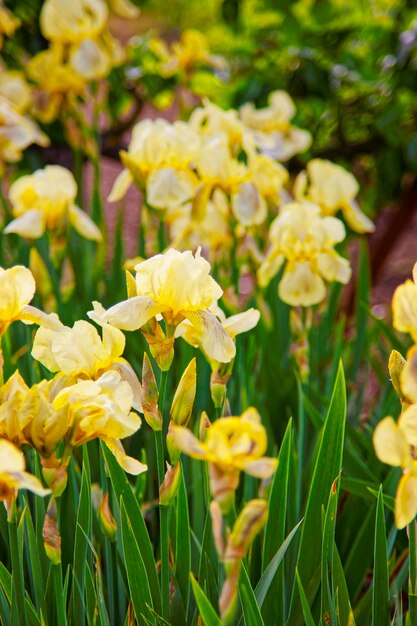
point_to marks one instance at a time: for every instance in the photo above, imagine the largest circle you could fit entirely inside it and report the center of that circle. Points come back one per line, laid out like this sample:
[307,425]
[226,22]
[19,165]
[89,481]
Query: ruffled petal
[215,341]
[130,314]
[334,267]
[242,322]
[356,219]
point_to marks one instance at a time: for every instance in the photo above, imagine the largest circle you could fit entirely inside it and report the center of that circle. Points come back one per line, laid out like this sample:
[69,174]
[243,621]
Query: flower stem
[163,510]
[412,581]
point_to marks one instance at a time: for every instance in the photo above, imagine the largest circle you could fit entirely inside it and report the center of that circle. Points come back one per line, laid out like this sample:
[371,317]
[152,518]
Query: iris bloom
[81,26]
[17,132]
[15,89]
[79,352]
[186,54]
[304,240]
[8,23]
[211,119]
[273,133]
[177,285]
[13,475]
[392,443]
[101,409]
[232,445]
[333,189]
[159,159]
[45,200]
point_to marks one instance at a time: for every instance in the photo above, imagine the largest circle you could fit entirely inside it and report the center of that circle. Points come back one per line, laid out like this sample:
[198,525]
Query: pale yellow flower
[79,352]
[304,240]
[334,189]
[13,419]
[13,475]
[188,53]
[101,409]
[58,83]
[232,445]
[124,9]
[392,443]
[81,25]
[8,23]
[273,133]
[17,132]
[210,120]
[45,200]
[15,89]
[159,159]
[177,285]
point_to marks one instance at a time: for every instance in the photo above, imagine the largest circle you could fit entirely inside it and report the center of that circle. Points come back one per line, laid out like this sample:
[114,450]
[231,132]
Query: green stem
[59,594]
[18,586]
[412,582]
[163,510]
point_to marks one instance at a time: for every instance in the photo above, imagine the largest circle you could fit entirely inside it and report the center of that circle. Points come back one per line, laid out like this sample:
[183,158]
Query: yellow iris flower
[404,306]
[273,133]
[232,445]
[334,189]
[79,352]
[81,26]
[15,89]
[101,409]
[177,285]
[159,160]
[8,23]
[303,239]
[17,132]
[45,200]
[13,475]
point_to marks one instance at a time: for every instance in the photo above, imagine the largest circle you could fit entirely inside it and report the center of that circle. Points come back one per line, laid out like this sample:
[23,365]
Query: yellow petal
[167,187]
[404,308]
[406,500]
[120,186]
[130,314]
[182,404]
[390,443]
[357,220]
[248,206]
[90,59]
[214,339]
[301,286]
[187,443]
[83,224]
[31,225]
[242,322]
[408,376]
[130,465]
[408,424]
[334,267]
[270,267]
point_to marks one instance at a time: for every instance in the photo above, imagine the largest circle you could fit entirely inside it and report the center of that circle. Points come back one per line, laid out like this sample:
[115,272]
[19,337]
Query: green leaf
[137,577]
[328,612]
[82,534]
[309,621]
[327,467]
[275,528]
[207,613]
[345,609]
[248,600]
[267,577]
[121,488]
[380,588]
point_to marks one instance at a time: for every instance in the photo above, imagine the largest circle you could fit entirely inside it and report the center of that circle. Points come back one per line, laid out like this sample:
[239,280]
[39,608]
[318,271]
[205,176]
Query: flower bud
[396,365]
[173,450]
[182,404]
[217,527]
[204,425]
[218,382]
[170,485]
[50,533]
[161,346]
[107,522]
[55,474]
[223,486]
[150,396]
[249,522]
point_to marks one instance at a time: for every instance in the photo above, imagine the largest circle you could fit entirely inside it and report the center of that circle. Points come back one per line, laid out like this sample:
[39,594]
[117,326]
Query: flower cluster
[395,442]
